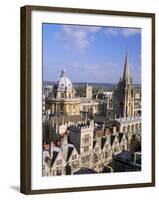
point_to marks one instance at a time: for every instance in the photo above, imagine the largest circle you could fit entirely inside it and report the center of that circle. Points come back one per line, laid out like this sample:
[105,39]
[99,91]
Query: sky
[90,53]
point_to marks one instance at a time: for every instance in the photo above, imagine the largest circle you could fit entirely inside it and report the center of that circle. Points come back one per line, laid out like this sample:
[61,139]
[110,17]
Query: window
[74,157]
[96,149]
[95,158]
[106,154]
[115,143]
[87,157]
[123,147]
[59,172]
[86,139]
[59,162]
[124,129]
[61,107]
[116,150]
[86,148]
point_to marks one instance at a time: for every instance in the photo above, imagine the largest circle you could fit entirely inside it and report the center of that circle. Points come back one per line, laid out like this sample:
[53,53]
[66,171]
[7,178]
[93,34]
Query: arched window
[128,128]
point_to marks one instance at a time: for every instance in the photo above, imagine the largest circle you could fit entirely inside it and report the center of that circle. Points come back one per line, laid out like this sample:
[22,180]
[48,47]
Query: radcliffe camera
[91,100]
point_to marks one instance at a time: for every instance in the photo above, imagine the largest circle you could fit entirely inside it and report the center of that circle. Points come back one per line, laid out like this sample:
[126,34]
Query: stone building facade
[63,100]
[82,150]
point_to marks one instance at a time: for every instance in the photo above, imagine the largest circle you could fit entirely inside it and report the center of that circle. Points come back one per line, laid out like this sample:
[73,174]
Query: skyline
[90,53]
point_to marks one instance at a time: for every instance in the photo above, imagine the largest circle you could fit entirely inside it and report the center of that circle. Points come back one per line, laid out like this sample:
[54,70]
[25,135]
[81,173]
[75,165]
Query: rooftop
[129,158]
[85,171]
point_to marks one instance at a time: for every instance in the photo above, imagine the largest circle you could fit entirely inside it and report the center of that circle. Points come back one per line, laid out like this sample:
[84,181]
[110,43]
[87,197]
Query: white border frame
[39,182]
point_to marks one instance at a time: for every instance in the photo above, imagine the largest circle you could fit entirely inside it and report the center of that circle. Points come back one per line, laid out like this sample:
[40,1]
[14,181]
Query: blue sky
[90,54]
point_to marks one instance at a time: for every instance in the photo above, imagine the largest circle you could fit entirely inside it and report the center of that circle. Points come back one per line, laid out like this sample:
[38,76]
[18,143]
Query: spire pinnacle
[126,74]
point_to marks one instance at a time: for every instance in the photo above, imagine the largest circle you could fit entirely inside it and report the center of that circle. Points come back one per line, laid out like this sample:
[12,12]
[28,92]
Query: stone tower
[88,91]
[124,94]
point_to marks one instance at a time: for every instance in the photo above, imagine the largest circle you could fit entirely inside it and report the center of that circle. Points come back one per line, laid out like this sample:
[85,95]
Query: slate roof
[112,138]
[85,171]
[103,141]
[127,157]
[48,161]
[120,136]
[69,153]
[99,132]
[94,143]
[55,154]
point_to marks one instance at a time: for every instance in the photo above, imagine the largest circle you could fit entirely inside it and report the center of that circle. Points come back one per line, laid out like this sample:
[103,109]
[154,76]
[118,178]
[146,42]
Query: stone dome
[64,82]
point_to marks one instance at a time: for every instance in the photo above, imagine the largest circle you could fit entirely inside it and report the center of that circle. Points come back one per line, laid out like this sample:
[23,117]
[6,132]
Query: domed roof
[64,82]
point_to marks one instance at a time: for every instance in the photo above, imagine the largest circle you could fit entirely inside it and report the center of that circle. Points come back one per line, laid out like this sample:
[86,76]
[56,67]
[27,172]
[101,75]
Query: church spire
[126,74]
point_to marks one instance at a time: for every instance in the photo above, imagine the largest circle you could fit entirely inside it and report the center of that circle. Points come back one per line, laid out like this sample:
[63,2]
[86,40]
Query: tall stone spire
[126,74]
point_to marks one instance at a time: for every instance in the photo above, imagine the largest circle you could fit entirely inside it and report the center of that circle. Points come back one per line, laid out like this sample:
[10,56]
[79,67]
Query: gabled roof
[112,138]
[99,132]
[125,155]
[55,154]
[69,153]
[103,141]
[121,135]
[94,143]
[46,153]
[48,161]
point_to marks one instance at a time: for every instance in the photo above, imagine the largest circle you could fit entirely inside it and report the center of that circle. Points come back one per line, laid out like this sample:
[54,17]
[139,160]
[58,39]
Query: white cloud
[80,37]
[124,32]
[94,72]
[129,32]
[77,37]
[111,32]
